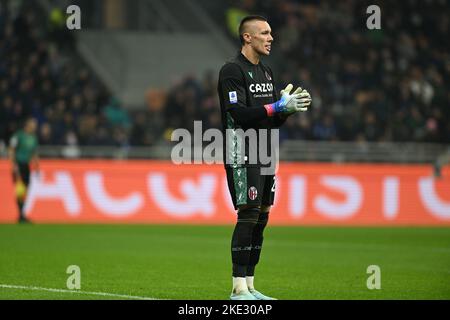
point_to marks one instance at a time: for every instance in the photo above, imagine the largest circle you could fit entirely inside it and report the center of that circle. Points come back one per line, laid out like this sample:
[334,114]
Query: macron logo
[233,96]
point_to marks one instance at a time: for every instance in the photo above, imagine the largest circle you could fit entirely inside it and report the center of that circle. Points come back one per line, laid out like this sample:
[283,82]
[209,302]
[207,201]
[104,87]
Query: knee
[249,214]
[264,216]
[263,219]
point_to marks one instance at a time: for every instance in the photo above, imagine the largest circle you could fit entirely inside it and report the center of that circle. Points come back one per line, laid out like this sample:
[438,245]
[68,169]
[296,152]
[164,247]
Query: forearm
[12,158]
[279,120]
[252,116]
[35,162]
[249,116]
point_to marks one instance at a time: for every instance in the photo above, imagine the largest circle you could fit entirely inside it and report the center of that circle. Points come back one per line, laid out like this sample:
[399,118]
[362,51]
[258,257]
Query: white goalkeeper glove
[304,100]
[289,103]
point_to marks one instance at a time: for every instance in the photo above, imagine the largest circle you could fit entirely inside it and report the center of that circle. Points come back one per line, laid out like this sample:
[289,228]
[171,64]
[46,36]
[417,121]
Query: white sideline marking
[8,286]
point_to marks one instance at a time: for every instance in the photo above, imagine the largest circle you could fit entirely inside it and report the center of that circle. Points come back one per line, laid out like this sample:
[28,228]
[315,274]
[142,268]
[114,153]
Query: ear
[247,37]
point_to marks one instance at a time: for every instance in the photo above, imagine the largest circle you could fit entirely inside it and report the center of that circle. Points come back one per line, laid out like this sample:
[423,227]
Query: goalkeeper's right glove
[289,103]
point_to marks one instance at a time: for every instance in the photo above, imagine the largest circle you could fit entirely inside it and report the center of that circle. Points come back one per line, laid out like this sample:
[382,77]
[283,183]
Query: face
[260,36]
[31,126]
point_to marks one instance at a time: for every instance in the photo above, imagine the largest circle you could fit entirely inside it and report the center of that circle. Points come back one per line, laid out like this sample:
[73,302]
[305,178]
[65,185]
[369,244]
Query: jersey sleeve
[36,146]
[277,120]
[233,92]
[232,87]
[276,93]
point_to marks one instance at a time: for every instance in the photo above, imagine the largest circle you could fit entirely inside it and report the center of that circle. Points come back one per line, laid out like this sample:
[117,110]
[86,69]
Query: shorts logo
[233,96]
[252,193]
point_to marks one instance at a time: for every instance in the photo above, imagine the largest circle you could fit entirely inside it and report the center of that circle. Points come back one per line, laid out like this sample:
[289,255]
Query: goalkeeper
[248,100]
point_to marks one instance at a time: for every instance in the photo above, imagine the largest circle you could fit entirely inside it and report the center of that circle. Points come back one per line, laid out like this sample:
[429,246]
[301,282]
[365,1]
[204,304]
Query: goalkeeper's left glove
[304,100]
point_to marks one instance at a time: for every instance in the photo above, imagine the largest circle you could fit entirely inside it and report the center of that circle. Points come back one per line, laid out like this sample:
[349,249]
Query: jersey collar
[243,59]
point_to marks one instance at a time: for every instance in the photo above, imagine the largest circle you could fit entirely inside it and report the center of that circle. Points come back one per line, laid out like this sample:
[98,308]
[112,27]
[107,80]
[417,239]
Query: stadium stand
[41,76]
[367,85]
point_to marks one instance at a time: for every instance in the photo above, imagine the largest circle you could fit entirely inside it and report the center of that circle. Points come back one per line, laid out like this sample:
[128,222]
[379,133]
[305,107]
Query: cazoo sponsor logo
[260,87]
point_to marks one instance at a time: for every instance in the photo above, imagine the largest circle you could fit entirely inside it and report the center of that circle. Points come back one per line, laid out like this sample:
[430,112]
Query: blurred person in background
[23,154]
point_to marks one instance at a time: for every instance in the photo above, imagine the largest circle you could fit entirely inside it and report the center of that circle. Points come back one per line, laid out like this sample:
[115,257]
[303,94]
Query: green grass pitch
[193,262]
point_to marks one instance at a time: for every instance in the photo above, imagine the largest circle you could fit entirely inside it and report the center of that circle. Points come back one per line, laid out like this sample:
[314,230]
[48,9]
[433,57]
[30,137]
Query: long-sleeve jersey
[244,88]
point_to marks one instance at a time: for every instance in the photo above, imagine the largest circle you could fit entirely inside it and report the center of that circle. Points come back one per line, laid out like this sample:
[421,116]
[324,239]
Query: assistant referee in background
[24,157]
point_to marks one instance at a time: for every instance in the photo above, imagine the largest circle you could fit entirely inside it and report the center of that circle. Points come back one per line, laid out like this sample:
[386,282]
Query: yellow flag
[21,190]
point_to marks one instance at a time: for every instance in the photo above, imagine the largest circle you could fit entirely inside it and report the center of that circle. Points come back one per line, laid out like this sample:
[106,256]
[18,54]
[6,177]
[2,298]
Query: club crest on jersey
[268,76]
[252,193]
[233,96]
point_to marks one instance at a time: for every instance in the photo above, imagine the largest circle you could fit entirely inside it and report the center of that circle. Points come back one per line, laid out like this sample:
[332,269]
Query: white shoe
[259,296]
[243,295]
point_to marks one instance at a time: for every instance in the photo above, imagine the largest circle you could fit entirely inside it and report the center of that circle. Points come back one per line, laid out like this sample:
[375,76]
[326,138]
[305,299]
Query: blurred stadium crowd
[371,85]
[367,85]
[41,76]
